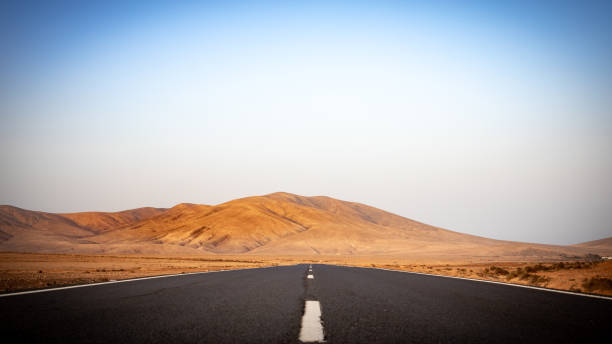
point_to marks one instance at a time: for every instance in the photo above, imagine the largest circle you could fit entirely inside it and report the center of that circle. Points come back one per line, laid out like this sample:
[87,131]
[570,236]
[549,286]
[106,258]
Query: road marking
[121,281]
[312,329]
[492,282]
[310,276]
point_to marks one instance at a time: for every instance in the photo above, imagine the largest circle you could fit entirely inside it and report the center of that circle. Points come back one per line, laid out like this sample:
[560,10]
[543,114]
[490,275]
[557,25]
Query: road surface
[356,305]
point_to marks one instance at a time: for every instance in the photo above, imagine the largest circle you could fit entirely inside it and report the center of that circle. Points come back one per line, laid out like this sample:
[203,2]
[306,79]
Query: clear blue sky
[491,118]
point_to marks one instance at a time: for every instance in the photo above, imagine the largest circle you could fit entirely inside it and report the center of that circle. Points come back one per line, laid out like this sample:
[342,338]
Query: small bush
[597,283]
[498,271]
[537,279]
[537,268]
[524,275]
[514,274]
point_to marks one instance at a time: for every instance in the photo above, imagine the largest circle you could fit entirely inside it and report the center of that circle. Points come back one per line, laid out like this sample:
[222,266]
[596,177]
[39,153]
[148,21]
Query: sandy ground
[20,271]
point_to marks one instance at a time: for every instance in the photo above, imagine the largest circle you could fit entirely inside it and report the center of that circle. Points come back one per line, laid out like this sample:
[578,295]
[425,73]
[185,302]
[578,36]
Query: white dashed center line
[312,330]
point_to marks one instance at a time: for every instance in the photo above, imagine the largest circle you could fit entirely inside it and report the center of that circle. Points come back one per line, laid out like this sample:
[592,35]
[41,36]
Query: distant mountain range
[274,224]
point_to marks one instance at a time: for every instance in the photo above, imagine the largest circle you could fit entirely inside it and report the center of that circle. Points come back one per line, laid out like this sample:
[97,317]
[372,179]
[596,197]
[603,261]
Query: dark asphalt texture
[246,306]
[376,306]
[266,305]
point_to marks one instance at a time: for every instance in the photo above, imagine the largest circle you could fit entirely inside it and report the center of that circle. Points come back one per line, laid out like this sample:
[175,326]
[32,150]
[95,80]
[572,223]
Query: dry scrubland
[19,271]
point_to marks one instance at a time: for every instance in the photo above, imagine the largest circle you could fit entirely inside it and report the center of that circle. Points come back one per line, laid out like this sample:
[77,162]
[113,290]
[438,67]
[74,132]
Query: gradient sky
[491,118]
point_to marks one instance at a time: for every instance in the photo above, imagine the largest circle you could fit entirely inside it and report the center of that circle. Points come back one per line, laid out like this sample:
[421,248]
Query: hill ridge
[275,223]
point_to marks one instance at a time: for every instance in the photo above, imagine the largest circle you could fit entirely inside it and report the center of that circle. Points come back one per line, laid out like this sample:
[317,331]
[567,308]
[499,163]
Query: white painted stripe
[492,282]
[310,276]
[122,281]
[312,329]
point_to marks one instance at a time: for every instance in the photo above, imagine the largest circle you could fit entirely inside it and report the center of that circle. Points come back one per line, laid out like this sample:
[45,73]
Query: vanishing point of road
[290,304]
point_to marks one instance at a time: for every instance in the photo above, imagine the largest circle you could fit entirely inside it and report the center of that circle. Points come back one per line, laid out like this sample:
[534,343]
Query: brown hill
[100,221]
[13,218]
[283,223]
[274,224]
[34,231]
[601,246]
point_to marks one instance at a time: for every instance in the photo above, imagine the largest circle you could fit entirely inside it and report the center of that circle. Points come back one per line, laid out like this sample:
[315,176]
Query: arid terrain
[46,249]
[20,271]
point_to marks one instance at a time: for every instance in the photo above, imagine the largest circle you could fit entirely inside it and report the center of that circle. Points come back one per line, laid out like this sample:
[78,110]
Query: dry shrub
[495,270]
[597,283]
[528,274]
[537,279]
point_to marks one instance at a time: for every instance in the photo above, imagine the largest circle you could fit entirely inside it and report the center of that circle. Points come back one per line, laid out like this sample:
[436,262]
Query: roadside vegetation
[530,272]
[533,275]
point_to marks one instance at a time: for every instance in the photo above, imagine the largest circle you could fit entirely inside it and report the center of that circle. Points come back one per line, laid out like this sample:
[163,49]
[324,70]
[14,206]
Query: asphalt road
[266,306]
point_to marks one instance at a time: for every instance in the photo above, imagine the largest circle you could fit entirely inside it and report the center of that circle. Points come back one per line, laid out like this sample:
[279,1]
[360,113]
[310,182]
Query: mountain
[274,224]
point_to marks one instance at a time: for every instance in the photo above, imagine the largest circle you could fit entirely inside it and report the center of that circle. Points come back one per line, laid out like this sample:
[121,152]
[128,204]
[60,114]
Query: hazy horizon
[488,119]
